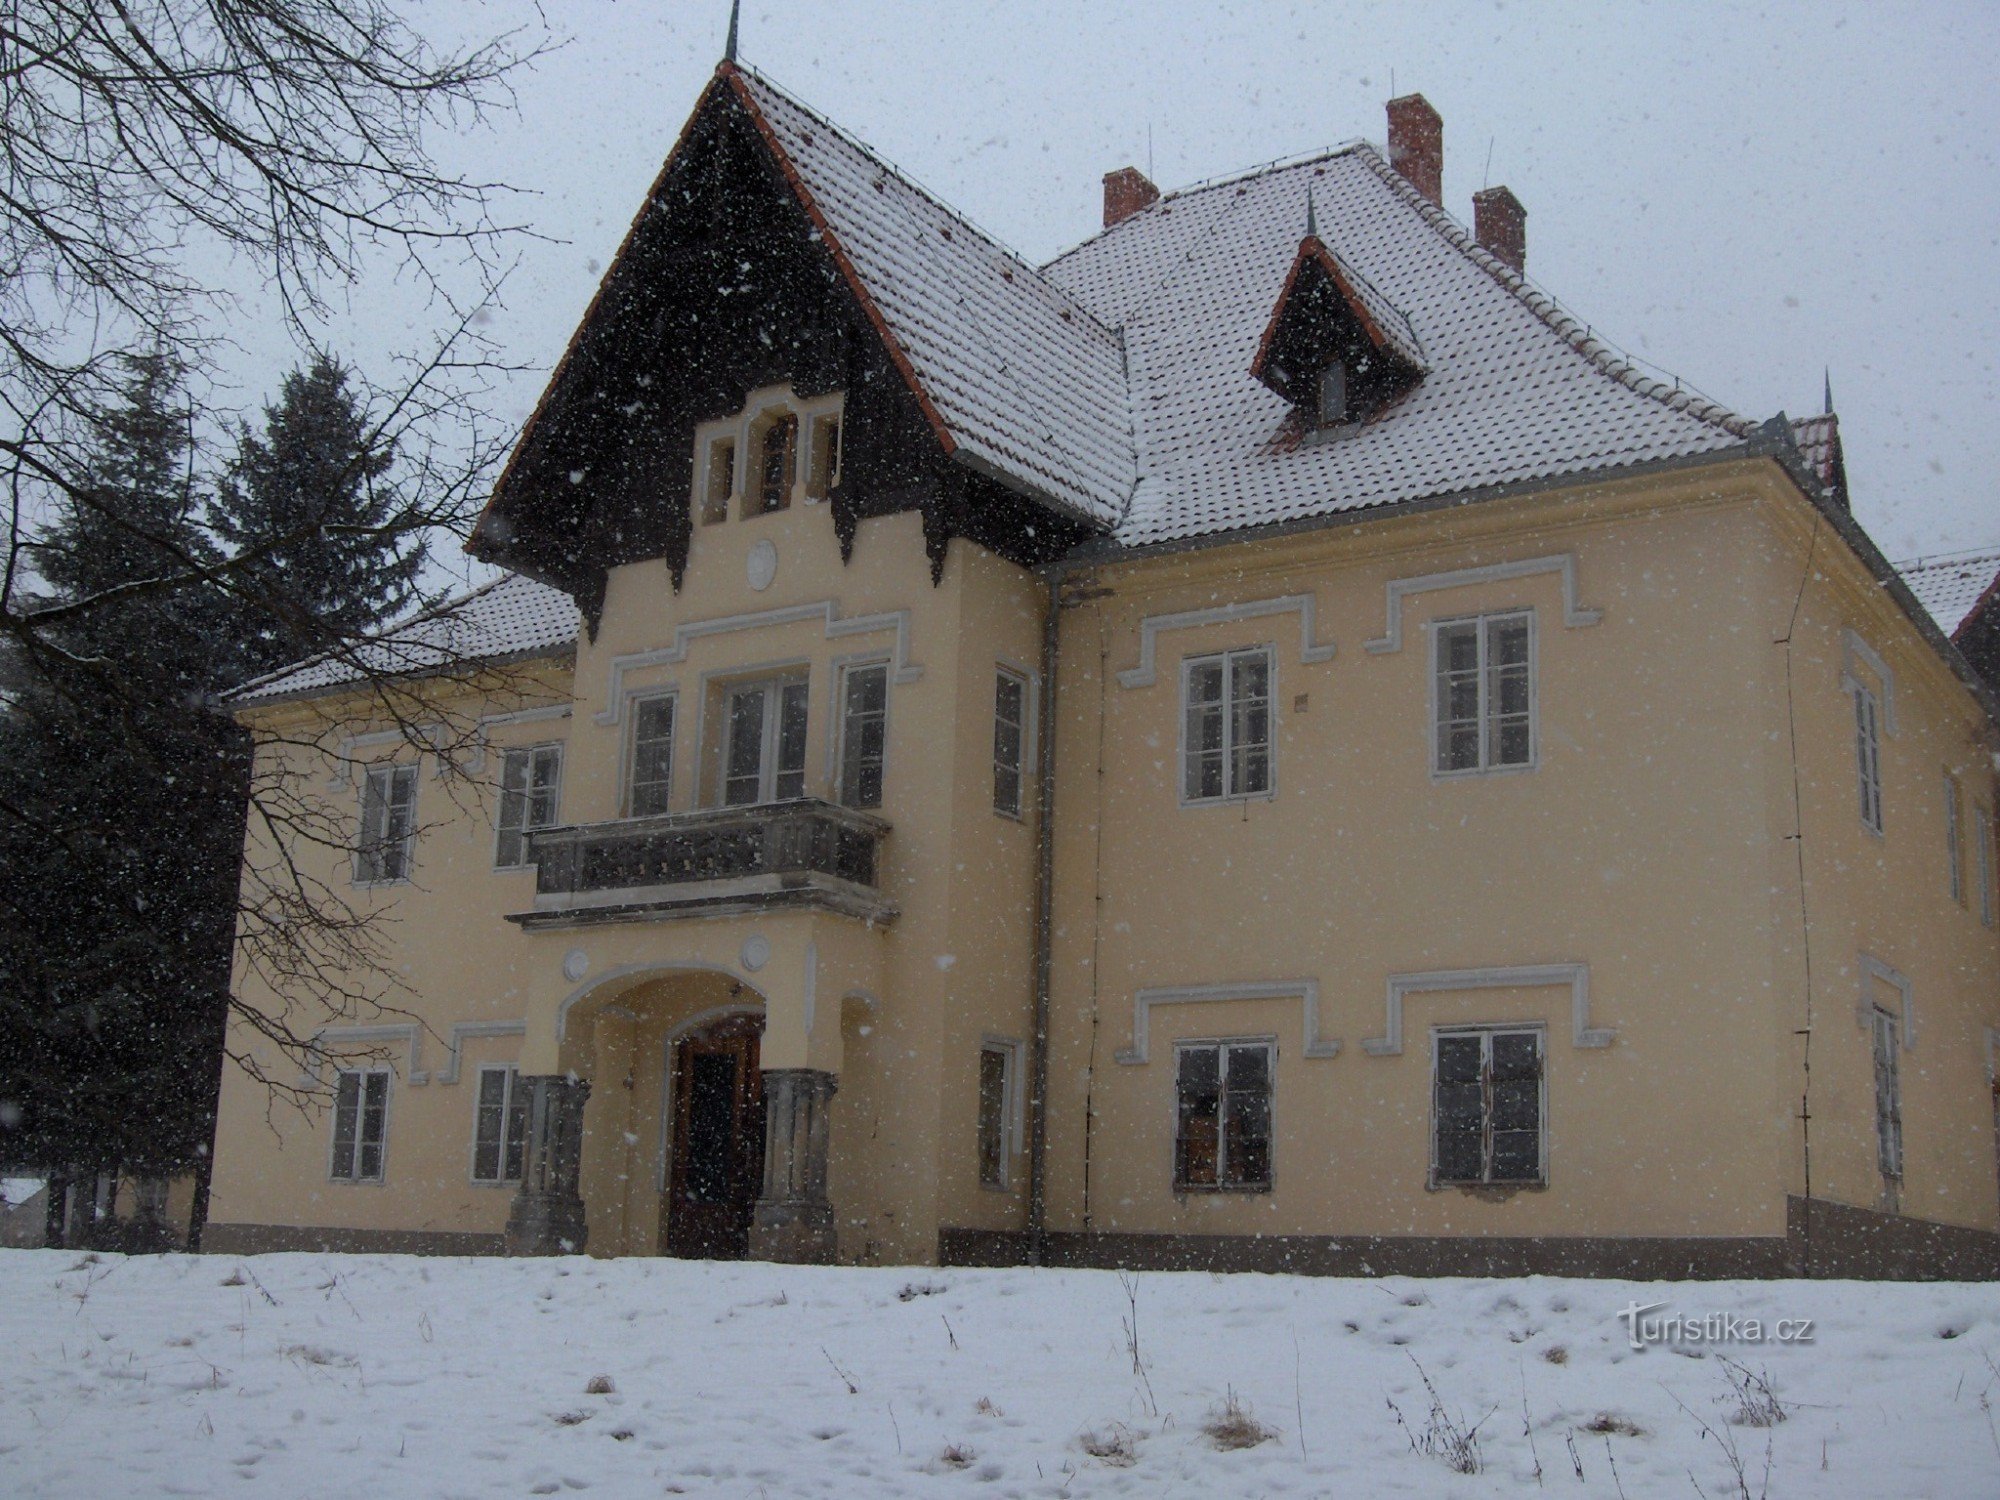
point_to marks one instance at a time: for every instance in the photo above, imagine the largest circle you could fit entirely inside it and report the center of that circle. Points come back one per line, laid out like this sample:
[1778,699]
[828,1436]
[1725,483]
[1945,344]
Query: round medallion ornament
[756,951]
[762,564]
[576,964]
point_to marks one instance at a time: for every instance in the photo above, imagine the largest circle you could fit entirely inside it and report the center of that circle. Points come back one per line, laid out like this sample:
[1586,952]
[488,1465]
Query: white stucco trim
[1872,969]
[1147,672]
[1399,589]
[826,612]
[1853,649]
[461,1033]
[633,971]
[1304,990]
[1526,976]
[409,1033]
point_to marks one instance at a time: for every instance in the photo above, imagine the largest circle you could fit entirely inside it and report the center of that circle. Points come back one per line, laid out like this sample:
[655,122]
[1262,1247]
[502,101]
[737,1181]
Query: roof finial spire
[1312,216]
[729,47]
[1828,408]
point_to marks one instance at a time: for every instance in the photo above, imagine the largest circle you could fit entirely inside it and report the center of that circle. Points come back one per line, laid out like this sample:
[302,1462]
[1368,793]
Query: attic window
[823,458]
[777,462]
[1336,357]
[721,481]
[1333,394]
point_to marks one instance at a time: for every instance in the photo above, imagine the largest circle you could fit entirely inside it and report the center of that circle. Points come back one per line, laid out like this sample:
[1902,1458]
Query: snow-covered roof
[1516,389]
[1949,585]
[511,617]
[1023,380]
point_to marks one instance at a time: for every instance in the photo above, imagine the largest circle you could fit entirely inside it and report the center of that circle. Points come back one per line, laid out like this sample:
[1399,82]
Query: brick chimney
[1126,191]
[1501,225]
[1416,145]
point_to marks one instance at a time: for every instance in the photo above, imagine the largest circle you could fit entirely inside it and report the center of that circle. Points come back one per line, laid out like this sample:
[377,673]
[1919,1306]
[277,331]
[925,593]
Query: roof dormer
[1335,347]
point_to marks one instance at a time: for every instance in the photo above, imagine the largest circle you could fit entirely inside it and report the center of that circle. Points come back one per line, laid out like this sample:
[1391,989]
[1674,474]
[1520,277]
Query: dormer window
[777,463]
[1333,394]
[777,448]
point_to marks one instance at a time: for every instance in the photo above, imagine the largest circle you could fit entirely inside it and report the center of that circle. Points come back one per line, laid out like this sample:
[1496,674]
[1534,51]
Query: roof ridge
[935,199]
[1949,559]
[1605,357]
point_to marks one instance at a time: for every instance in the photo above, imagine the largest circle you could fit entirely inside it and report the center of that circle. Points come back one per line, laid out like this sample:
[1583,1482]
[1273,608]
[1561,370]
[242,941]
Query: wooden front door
[718,1142]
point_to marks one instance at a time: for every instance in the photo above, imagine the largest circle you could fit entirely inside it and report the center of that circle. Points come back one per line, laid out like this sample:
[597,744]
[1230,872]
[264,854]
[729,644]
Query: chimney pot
[1501,225]
[1416,145]
[1126,191]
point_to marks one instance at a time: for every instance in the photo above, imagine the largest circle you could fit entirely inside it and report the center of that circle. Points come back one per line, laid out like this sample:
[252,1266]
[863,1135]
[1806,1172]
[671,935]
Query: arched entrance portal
[715,1133]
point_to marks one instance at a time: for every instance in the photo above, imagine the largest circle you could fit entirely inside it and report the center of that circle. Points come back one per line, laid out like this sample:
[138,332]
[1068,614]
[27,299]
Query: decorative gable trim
[1382,332]
[1530,976]
[1399,589]
[827,611]
[1305,990]
[1147,672]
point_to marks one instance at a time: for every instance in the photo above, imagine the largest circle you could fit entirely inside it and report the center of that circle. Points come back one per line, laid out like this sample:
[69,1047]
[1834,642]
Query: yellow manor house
[1259,743]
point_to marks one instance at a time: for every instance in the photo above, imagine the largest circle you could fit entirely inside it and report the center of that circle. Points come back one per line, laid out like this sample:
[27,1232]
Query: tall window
[360,1120]
[764,758]
[388,824]
[1486,1108]
[652,755]
[1223,1139]
[1868,757]
[823,461]
[1982,860]
[864,715]
[1010,717]
[1888,1093]
[999,1112]
[1227,702]
[1333,394]
[1484,670]
[500,1130]
[777,460]
[721,480]
[1954,840]
[530,790]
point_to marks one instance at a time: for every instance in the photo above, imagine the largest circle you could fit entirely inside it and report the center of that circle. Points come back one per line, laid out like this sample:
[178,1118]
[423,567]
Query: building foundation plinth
[547,1217]
[793,1221]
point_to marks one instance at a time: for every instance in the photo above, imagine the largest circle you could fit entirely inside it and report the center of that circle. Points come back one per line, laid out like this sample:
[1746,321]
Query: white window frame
[634,706]
[773,687]
[368,846]
[843,746]
[1483,624]
[353,1164]
[1982,860]
[1868,756]
[508,1104]
[1002,673]
[533,754]
[1221,1046]
[1228,660]
[1487,1031]
[1885,1035]
[1954,839]
[1013,1115]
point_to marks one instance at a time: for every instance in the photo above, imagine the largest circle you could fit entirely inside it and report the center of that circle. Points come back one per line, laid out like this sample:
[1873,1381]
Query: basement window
[1222,1138]
[999,1112]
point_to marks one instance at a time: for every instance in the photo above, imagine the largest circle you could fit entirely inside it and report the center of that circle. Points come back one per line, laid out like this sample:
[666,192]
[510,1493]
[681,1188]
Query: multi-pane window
[1954,840]
[998,1112]
[652,755]
[777,459]
[1227,749]
[388,824]
[530,791]
[864,719]
[764,754]
[1484,670]
[1868,756]
[1010,717]
[360,1120]
[1888,1093]
[1486,1108]
[1982,860]
[1223,1134]
[500,1130]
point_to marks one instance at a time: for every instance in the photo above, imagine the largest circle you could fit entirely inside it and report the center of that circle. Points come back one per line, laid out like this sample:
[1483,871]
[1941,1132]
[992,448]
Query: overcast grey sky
[1741,195]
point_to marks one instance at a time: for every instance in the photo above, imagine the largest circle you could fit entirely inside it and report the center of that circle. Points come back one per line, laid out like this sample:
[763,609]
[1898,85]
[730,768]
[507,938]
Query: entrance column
[793,1221]
[547,1217]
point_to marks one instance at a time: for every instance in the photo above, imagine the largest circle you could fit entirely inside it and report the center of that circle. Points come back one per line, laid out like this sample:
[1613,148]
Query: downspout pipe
[1045,851]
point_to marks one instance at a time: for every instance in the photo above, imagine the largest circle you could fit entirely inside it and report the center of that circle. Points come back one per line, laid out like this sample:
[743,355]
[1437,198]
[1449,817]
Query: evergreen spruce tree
[313,503]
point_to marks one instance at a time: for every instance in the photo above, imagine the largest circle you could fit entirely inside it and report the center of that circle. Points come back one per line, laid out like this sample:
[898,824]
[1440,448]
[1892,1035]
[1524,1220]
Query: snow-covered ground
[327,1375]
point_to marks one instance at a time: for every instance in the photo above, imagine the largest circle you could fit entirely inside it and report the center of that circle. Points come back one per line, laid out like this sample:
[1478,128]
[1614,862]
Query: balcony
[715,862]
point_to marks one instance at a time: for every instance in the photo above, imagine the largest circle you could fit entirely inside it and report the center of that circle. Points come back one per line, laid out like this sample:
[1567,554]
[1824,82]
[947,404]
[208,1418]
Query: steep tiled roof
[1819,445]
[512,617]
[1024,381]
[1948,586]
[1516,390]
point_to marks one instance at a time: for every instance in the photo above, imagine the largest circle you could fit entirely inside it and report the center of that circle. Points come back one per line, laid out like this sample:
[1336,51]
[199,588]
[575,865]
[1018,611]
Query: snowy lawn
[328,1375]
